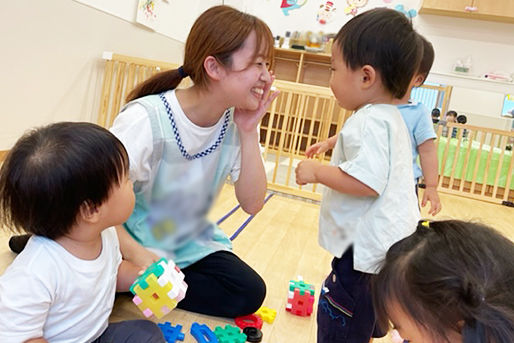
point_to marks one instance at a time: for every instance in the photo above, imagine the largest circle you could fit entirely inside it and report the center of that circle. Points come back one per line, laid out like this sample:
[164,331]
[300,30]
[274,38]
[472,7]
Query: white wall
[51,60]
[51,66]
[491,44]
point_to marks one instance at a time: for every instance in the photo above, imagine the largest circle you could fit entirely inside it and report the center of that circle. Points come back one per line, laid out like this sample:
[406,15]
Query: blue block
[171,333]
[203,334]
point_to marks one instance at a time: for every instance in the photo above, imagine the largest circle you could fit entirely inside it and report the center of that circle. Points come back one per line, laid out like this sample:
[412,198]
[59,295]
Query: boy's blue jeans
[345,306]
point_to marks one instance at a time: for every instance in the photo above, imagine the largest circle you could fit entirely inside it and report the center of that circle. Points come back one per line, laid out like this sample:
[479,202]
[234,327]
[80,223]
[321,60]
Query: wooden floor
[280,243]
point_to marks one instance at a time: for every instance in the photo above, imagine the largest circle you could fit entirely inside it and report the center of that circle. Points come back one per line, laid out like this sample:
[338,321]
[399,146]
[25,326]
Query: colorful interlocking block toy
[267,314]
[250,320]
[203,334]
[171,333]
[158,290]
[300,298]
[229,334]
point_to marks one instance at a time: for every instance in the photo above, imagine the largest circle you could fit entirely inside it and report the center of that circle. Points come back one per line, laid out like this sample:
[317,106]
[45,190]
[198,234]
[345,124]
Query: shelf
[472,82]
[302,66]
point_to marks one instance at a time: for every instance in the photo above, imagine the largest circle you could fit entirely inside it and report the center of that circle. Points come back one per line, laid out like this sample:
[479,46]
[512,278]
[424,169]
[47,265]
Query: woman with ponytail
[184,143]
[450,281]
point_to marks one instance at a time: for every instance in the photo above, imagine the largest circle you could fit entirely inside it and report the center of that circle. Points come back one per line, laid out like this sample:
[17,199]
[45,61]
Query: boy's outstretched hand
[431,195]
[317,149]
[306,172]
[321,147]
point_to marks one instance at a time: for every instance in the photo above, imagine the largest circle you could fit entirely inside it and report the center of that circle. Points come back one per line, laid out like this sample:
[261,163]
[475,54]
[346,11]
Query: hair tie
[181,72]
[425,223]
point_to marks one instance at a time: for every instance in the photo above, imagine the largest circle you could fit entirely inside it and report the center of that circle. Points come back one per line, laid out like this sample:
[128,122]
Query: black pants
[345,306]
[221,284]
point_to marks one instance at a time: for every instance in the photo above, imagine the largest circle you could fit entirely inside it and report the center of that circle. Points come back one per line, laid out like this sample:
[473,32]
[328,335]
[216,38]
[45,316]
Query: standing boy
[369,202]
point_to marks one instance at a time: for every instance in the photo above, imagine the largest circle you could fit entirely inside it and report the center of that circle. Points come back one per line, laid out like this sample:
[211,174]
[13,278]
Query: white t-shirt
[47,292]
[373,147]
[134,125]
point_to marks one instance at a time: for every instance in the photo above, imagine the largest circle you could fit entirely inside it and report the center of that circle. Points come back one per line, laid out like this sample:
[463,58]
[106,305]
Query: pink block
[137,300]
[147,312]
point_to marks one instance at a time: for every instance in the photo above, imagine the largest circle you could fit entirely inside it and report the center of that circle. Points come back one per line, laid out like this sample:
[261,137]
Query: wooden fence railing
[121,74]
[474,163]
[301,116]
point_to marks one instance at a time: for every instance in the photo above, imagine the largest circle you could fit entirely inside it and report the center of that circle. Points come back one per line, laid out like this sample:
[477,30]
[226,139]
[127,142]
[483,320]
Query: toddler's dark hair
[451,275]
[52,171]
[451,113]
[427,59]
[384,39]
[462,119]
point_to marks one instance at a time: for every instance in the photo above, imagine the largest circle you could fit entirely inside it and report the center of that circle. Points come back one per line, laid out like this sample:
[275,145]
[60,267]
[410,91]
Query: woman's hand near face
[247,120]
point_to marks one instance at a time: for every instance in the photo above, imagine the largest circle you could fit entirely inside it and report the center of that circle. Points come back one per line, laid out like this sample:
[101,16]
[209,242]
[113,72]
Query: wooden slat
[296,126]
[105,97]
[285,124]
[118,91]
[455,159]
[477,162]
[313,122]
[131,78]
[503,143]
[471,136]
[506,195]
[270,126]
[445,157]
[488,164]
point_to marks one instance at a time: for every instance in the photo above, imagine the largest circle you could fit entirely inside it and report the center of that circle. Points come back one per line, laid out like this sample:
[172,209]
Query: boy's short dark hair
[384,39]
[427,58]
[462,119]
[53,170]
[436,112]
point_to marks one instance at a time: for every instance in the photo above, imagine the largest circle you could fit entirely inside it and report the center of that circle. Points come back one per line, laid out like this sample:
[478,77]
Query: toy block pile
[300,298]
[158,290]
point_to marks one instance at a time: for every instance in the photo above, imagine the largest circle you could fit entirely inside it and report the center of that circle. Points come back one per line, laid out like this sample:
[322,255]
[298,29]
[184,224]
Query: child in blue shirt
[422,134]
[369,201]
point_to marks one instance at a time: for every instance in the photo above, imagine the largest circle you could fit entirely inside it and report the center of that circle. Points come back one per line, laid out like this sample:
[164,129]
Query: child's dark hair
[436,112]
[384,39]
[53,170]
[462,119]
[451,275]
[451,113]
[427,59]
[218,32]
